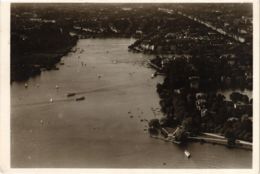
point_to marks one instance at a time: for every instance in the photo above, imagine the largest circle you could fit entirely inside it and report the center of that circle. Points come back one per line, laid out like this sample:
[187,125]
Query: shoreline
[224,128]
[45,60]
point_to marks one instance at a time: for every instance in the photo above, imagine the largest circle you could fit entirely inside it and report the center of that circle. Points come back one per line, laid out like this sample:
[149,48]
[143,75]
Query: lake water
[99,132]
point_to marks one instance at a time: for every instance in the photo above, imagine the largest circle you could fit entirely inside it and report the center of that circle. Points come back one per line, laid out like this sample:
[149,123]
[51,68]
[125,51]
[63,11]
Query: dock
[154,66]
[220,140]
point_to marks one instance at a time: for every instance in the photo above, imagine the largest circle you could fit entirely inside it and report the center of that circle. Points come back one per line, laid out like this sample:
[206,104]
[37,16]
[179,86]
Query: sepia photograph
[132,85]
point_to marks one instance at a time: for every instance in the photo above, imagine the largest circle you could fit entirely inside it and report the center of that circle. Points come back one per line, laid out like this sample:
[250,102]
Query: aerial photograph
[131,85]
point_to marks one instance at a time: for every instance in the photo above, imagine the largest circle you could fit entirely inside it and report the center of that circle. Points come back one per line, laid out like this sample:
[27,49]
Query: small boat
[57,87]
[80,98]
[114,61]
[99,76]
[153,75]
[25,85]
[51,100]
[71,94]
[187,153]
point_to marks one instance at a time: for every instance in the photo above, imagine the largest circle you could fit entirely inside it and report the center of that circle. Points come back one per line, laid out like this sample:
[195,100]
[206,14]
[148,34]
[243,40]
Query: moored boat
[187,153]
[71,94]
[80,98]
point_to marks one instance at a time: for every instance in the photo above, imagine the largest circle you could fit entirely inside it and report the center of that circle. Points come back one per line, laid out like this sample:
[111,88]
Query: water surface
[99,132]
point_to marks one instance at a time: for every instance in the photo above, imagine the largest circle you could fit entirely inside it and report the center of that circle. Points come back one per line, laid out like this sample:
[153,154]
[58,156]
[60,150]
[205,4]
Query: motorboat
[80,98]
[71,94]
[187,153]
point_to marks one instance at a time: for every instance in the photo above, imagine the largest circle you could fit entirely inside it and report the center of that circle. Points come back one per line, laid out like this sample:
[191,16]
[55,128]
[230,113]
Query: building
[194,82]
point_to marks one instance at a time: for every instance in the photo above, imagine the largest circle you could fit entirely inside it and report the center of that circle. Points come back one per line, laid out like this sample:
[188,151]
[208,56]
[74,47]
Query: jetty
[154,66]
[220,140]
[178,135]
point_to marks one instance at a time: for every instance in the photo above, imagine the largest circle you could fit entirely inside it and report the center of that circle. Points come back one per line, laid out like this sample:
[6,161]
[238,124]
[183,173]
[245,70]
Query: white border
[4,86]
[130,1]
[5,93]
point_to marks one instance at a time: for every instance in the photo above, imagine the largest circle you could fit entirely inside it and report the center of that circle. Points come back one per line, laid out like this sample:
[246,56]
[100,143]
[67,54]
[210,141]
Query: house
[194,82]
[145,45]
[201,104]
[139,32]
[249,75]
[201,95]
[231,119]
[170,35]
[203,112]
[244,108]
[179,90]
[201,101]
[231,58]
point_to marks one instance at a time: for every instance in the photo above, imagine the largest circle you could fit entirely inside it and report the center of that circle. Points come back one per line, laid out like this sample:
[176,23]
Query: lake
[106,130]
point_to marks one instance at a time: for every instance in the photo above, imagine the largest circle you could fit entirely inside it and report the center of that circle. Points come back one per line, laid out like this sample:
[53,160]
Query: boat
[80,98]
[71,94]
[187,153]
[25,85]
[99,76]
[153,75]
[114,61]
